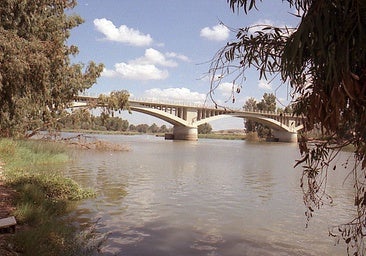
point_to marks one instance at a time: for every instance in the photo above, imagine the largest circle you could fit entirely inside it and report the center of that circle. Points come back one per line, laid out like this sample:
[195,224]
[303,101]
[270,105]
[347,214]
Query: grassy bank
[43,196]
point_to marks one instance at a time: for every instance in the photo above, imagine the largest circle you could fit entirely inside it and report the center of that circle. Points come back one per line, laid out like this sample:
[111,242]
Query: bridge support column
[185,133]
[284,136]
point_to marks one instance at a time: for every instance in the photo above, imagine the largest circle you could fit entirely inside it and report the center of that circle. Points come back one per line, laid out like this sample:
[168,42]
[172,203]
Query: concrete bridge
[186,118]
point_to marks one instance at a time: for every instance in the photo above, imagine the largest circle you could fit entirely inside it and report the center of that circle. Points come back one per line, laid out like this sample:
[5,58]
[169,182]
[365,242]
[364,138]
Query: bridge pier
[185,133]
[284,136]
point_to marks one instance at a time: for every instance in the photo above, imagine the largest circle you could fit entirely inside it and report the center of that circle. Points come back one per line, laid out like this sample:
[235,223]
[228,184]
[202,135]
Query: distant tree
[125,125]
[115,101]
[323,59]
[163,129]
[153,128]
[37,79]
[268,103]
[250,104]
[205,128]
[142,128]
[114,124]
[132,128]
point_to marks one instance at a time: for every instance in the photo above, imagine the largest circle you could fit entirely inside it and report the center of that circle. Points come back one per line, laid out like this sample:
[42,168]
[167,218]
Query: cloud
[177,56]
[263,84]
[216,33]
[146,67]
[175,94]
[153,56]
[123,34]
[262,23]
[136,72]
[225,89]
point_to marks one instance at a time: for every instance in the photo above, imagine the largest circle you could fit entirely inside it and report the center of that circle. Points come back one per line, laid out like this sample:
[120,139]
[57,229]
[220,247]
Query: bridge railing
[192,104]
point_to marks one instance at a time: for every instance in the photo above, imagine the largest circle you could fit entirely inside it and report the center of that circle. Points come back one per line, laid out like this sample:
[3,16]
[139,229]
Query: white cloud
[262,23]
[216,33]
[136,72]
[153,56]
[263,84]
[175,94]
[122,34]
[177,56]
[146,67]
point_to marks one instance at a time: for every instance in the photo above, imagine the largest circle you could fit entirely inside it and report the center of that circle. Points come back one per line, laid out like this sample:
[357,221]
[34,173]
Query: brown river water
[210,197]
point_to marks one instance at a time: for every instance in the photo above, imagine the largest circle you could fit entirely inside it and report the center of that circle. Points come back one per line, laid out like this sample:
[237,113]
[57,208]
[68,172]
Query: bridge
[186,118]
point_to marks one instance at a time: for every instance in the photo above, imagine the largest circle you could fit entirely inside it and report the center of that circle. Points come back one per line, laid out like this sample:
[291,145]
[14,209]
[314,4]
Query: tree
[142,128]
[268,103]
[163,129]
[323,59]
[153,128]
[37,79]
[132,128]
[250,105]
[205,128]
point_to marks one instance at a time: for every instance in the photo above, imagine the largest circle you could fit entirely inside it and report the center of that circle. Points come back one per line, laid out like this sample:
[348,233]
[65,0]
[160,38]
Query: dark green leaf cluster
[37,79]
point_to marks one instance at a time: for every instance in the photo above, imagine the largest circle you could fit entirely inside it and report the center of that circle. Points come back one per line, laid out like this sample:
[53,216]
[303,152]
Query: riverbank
[213,135]
[38,196]
[7,195]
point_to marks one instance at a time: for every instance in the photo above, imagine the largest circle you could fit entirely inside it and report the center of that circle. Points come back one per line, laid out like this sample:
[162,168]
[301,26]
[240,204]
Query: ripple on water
[212,198]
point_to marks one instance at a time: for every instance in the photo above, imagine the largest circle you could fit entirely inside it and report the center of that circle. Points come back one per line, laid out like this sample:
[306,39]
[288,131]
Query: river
[210,197]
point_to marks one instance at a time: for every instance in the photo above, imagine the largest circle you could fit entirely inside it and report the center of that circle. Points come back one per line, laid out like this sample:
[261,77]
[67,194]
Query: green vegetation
[82,119]
[37,79]
[205,128]
[268,103]
[323,61]
[42,197]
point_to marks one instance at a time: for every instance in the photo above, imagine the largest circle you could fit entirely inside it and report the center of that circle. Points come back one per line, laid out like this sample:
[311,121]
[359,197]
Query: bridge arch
[186,118]
[170,118]
[270,122]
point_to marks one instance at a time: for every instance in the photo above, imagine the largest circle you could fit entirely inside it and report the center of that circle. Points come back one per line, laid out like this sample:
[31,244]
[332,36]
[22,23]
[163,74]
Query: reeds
[43,196]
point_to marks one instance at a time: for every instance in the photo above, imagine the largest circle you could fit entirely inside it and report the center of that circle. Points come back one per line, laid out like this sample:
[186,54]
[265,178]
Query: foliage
[268,103]
[42,197]
[142,128]
[37,80]
[205,128]
[116,101]
[82,119]
[323,60]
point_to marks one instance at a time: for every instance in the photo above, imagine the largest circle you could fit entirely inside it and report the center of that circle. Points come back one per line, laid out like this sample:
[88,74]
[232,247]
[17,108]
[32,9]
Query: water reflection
[202,198]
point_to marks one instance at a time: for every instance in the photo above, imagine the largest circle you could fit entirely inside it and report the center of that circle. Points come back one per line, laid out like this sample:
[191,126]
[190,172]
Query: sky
[162,50]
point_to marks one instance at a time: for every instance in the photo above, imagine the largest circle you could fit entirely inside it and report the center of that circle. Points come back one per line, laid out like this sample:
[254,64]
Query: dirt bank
[6,208]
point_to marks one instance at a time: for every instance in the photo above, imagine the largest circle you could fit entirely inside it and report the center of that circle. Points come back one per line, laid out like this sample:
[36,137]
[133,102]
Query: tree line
[82,119]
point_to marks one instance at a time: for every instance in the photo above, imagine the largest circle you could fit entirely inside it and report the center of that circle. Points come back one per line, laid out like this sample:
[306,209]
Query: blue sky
[161,49]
